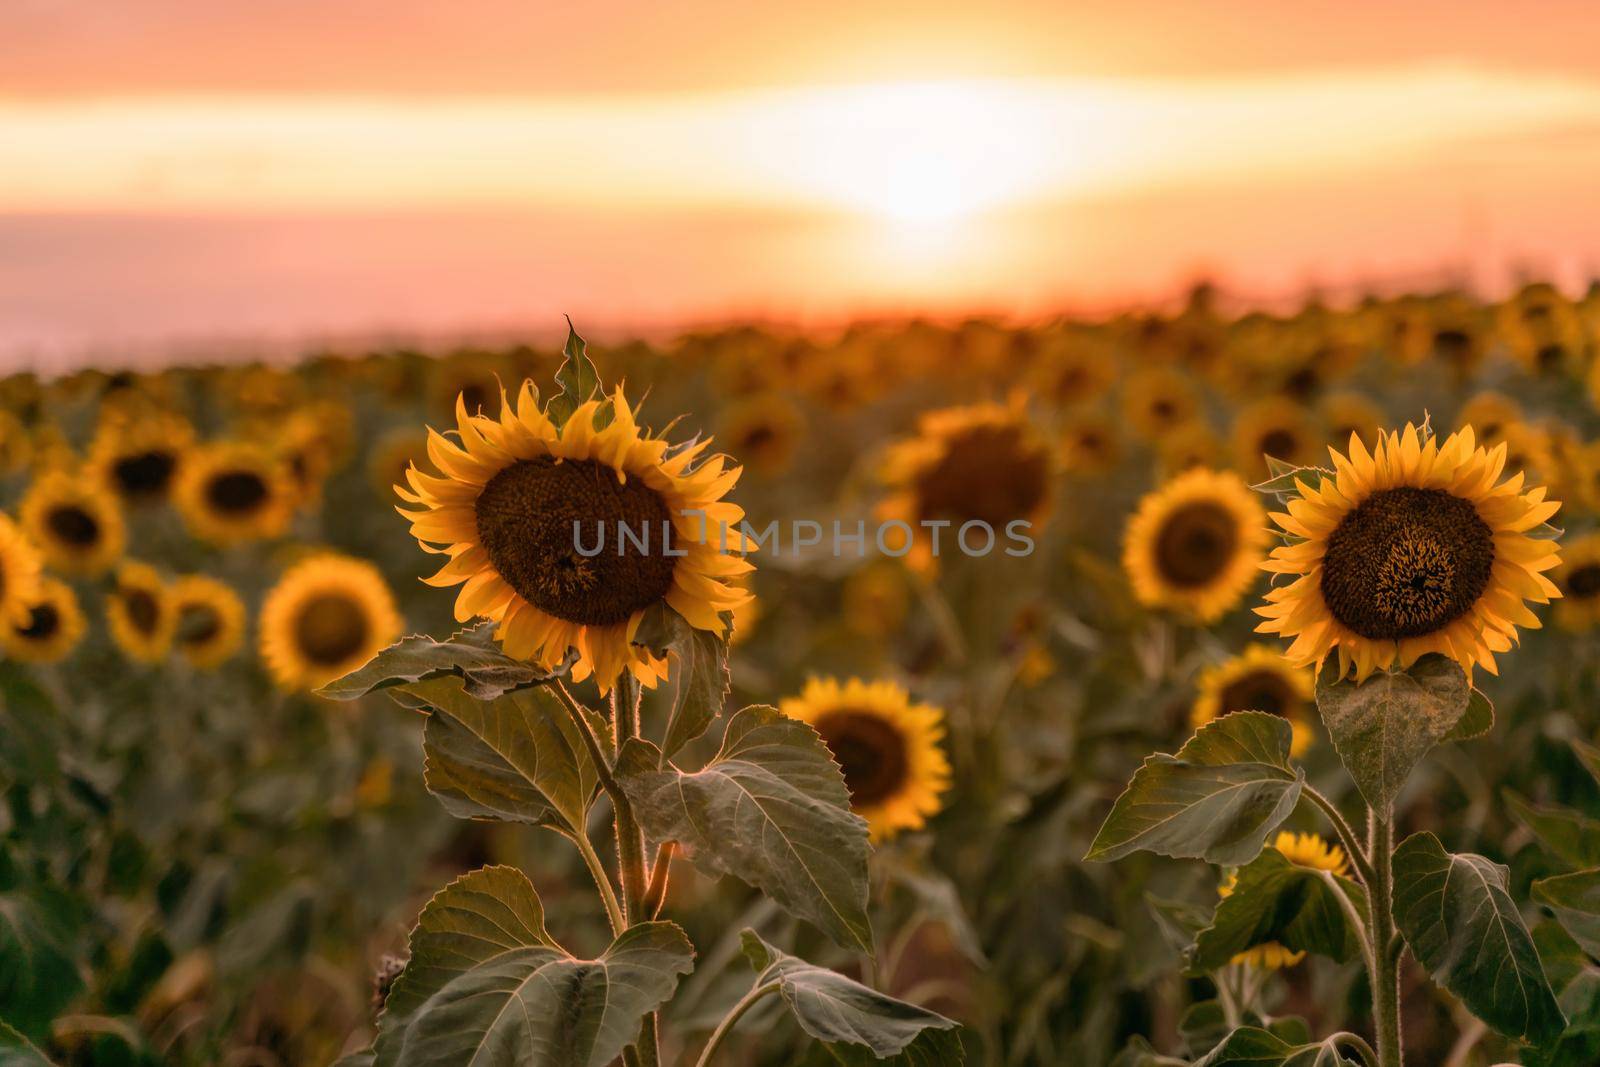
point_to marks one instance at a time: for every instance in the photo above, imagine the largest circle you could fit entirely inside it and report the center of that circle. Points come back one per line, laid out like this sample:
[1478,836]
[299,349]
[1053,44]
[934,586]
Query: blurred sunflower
[1196,544]
[394,454]
[210,620]
[1089,442]
[1415,547]
[325,617]
[1542,330]
[512,497]
[1069,371]
[16,443]
[1528,450]
[1157,400]
[763,431]
[1344,413]
[233,491]
[469,377]
[1489,413]
[984,463]
[51,626]
[76,524]
[1258,679]
[1191,445]
[137,457]
[19,572]
[886,746]
[140,613]
[1278,427]
[1302,850]
[875,599]
[1578,578]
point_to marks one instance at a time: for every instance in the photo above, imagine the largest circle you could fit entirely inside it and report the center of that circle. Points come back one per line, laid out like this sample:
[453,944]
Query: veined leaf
[1476,721]
[1276,900]
[1589,756]
[1572,836]
[577,376]
[1575,899]
[1251,1046]
[1462,925]
[1138,1053]
[770,809]
[1382,727]
[471,655]
[700,679]
[1217,799]
[1283,477]
[859,1024]
[486,984]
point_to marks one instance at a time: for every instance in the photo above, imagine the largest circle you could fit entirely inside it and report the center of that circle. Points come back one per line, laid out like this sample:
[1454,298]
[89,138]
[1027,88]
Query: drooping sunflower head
[76,524]
[887,747]
[1196,544]
[763,430]
[1302,850]
[1259,679]
[1278,427]
[50,629]
[235,491]
[1578,578]
[325,617]
[140,613]
[984,463]
[566,536]
[210,620]
[1415,547]
[19,572]
[137,455]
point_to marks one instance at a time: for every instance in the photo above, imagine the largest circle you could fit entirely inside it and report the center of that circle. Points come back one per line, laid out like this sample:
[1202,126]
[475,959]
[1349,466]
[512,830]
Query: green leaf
[486,984]
[1571,836]
[30,732]
[1575,900]
[1589,756]
[1217,799]
[840,1011]
[1251,1046]
[518,757]
[1382,727]
[1203,1026]
[1283,477]
[1138,1053]
[1476,721]
[39,973]
[770,809]
[699,673]
[471,655]
[18,1051]
[365,1058]
[1462,925]
[1276,900]
[577,376]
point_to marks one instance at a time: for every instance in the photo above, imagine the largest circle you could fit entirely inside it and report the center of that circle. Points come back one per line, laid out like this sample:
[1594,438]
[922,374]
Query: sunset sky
[178,176]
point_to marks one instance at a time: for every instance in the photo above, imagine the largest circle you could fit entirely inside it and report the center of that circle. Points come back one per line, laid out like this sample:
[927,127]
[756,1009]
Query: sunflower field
[1161,689]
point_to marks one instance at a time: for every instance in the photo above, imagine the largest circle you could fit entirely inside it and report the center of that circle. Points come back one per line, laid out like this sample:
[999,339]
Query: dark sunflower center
[1584,582]
[144,474]
[74,526]
[236,492]
[1551,356]
[1452,344]
[757,438]
[1196,544]
[1258,691]
[870,751]
[1280,443]
[534,515]
[143,610]
[198,624]
[43,622]
[1406,563]
[330,629]
[988,474]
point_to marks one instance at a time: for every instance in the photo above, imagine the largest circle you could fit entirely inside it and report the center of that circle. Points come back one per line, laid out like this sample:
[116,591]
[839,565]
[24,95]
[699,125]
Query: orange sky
[172,171]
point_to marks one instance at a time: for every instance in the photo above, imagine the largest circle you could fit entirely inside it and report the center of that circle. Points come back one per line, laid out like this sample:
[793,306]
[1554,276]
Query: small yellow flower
[1303,850]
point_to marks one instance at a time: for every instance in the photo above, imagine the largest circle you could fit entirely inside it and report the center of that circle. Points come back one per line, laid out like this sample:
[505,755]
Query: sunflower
[1278,427]
[1258,679]
[137,456]
[327,616]
[1542,329]
[19,572]
[78,527]
[763,431]
[1488,413]
[1346,413]
[1191,445]
[233,491]
[1196,544]
[1089,442]
[1302,850]
[1578,578]
[1414,547]
[1159,399]
[1069,371]
[887,747]
[875,599]
[16,443]
[140,613]
[984,463]
[210,620]
[517,496]
[51,627]
[393,455]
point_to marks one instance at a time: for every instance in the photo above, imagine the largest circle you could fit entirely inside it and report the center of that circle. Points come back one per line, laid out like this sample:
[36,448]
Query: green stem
[731,1019]
[602,882]
[1355,1041]
[1347,836]
[1386,973]
[630,846]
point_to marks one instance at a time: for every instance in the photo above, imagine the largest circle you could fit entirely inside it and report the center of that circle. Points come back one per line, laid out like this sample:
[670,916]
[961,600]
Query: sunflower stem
[625,697]
[1386,972]
[725,1027]
[1347,836]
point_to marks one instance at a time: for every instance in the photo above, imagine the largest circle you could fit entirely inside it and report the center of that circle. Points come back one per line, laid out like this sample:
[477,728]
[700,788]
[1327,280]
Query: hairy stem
[730,1020]
[1386,973]
[602,881]
[1356,1042]
[1347,835]
[625,697]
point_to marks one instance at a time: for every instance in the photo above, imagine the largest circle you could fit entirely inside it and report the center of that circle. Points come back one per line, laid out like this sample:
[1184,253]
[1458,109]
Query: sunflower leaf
[39,972]
[1570,835]
[857,1023]
[1286,475]
[1462,925]
[1275,900]
[1226,789]
[518,757]
[484,978]
[1589,756]
[1476,721]
[1575,900]
[578,377]
[18,1051]
[470,654]
[1382,727]
[699,673]
[770,809]
[1251,1046]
